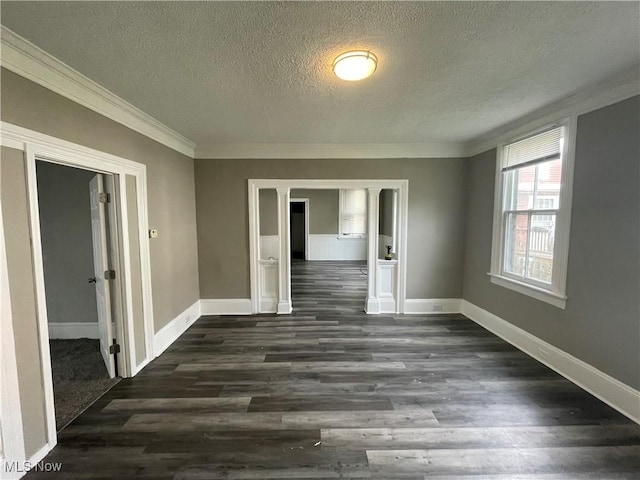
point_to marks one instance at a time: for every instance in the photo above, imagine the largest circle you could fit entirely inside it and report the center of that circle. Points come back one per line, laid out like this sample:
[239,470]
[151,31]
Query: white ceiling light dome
[355,65]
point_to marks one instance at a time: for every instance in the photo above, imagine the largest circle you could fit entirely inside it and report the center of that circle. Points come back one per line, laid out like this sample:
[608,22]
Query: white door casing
[101,267]
[11,429]
[36,145]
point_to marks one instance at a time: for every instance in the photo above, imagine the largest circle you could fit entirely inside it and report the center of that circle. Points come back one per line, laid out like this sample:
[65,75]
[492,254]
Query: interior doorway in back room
[77,219]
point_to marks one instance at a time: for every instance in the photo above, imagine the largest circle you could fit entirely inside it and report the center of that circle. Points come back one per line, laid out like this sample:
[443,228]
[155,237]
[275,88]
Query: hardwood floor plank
[396,463]
[319,403]
[179,405]
[487,437]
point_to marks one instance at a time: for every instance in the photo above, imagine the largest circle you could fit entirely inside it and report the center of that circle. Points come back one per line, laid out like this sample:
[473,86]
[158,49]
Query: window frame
[341,200]
[555,293]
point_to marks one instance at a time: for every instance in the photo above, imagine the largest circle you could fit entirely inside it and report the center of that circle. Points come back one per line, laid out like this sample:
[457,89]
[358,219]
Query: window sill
[551,298]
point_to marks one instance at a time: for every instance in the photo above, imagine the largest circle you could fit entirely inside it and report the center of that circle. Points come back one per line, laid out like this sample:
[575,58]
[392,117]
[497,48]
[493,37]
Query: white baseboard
[387,304]
[284,308]
[225,306]
[613,392]
[69,330]
[432,305]
[176,327]
[372,306]
[268,305]
[22,468]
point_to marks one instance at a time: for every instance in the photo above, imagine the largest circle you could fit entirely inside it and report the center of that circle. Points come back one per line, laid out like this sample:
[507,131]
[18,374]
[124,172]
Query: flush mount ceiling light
[355,65]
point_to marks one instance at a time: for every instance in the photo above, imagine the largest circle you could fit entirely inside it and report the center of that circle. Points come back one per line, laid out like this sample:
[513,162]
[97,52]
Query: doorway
[271,274]
[78,225]
[299,228]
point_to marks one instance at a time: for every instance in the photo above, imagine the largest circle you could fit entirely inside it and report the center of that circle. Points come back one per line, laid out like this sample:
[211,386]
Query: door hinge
[115,348]
[105,197]
[109,274]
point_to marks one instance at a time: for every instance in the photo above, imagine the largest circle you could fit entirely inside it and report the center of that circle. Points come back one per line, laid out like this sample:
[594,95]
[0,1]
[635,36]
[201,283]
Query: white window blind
[353,212]
[543,146]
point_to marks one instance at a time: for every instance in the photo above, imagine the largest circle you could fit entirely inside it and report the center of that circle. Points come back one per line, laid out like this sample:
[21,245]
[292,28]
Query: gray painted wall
[437,205]
[67,245]
[601,323]
[323,209]
[23,301]
[170,183]
[386,212]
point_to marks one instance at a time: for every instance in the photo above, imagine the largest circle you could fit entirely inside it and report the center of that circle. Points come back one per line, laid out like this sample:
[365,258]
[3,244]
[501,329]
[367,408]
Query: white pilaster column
[284,262]
[372,304]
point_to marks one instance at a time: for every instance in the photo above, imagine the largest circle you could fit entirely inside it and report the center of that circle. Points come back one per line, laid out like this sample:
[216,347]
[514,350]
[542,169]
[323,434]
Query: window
[531,221]
[353,213]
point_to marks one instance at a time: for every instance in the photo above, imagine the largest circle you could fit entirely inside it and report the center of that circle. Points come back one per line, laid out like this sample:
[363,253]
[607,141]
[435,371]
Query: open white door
[101,270]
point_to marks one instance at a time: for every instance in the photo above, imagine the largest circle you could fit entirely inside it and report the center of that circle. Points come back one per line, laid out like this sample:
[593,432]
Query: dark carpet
[79,377]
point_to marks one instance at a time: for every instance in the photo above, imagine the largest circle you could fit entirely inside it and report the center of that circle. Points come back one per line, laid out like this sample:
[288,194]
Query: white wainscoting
[269,247]
[268,286]
[69,330]
[168,334]
[613,392]
[386,288]
[432,305]
[331,247]
[225,306]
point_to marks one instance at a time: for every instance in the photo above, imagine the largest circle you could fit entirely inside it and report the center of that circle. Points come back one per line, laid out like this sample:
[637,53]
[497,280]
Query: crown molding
[31,62]
[613,90]
[329,150]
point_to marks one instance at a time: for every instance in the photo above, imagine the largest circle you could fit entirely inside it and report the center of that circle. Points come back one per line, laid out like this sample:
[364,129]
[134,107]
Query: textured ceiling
[260,72]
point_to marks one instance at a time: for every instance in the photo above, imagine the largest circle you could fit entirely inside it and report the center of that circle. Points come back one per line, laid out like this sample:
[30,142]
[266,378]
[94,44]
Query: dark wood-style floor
[330,393]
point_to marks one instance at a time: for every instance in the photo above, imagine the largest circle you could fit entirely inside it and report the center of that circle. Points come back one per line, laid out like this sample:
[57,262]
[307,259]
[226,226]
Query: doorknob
[92,279]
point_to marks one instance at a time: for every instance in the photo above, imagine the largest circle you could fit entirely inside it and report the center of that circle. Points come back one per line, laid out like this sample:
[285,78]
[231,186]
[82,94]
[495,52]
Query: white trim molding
[21,468]
[31,62]
[67,330]
[283,187]
[424,306]
[331,150]
[11,427]
[613,392]
[546,296]
[225,306]
[38,146]
[168,334]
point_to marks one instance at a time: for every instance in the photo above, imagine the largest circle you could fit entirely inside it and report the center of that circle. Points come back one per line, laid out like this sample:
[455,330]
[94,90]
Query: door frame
[40,147]
[306,223]
[283,188]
